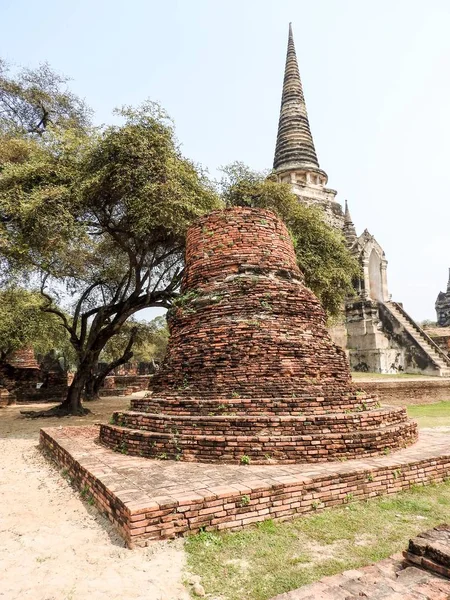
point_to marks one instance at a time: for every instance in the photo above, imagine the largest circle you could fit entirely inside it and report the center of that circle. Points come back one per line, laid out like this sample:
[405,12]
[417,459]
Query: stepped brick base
[157,499]
[260,439]
[389,579]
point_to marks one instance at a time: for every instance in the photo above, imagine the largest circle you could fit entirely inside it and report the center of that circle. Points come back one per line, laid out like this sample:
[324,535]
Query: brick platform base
[156,499]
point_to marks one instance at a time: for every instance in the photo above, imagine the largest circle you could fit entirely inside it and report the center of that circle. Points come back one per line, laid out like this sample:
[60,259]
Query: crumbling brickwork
[251,373]
[24,359]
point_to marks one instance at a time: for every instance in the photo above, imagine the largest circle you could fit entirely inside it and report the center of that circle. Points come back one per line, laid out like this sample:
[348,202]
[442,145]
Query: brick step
[261,425]
[389,579]
[259,449]
[431,550]
[296,406]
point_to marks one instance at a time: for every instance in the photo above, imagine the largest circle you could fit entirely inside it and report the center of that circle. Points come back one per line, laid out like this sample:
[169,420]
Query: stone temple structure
[443,307]
[379,335]
[251,373]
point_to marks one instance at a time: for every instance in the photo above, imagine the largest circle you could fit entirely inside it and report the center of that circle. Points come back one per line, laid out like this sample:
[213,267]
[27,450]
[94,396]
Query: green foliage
[100,216]
[34,99]
[150,341]
[322,255]
[23,323]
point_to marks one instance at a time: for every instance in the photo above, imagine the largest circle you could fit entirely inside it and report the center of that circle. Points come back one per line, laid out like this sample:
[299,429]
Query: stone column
[384,285]
[366,278]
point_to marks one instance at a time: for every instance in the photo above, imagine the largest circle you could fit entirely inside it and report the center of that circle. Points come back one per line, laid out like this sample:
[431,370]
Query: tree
[152,344]
[23,323]
[34,99]
[322,255]
[136,339]
[101,218]
[149,343]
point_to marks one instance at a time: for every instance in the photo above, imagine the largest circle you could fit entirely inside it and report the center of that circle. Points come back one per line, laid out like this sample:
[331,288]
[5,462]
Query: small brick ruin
[251,373]
[27,381]
[124,385]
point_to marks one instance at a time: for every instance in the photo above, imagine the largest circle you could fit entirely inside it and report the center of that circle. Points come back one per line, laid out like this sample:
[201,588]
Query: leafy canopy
[100,217]
[150,341]
[34,99]
[22,323]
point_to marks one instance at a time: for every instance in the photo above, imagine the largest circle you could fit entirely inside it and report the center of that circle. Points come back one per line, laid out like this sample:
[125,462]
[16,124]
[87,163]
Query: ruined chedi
[251,374]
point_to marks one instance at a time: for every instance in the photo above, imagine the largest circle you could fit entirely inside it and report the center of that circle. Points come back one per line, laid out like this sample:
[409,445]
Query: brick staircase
[439,359]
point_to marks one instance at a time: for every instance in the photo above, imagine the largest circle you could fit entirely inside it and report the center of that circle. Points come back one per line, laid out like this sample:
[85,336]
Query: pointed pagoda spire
[295,146]
[349,228]
[448,284]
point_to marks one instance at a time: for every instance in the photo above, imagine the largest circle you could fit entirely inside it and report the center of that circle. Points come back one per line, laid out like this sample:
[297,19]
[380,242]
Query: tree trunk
[96,380]
[72,404]
[92,387]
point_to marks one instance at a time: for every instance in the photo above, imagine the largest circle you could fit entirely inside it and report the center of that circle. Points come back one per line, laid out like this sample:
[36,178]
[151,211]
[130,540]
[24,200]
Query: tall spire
[349,229]
[295,146]
[448,284]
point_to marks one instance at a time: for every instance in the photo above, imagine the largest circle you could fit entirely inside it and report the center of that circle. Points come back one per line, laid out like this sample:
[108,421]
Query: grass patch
[431,415]
[272,557]
[361,375]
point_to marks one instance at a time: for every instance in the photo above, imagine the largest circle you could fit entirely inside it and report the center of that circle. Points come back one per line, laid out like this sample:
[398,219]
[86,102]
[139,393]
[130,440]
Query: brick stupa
[251,373]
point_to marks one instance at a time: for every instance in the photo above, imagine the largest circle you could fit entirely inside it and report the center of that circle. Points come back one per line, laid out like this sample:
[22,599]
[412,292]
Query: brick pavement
[389,579]
[153,499]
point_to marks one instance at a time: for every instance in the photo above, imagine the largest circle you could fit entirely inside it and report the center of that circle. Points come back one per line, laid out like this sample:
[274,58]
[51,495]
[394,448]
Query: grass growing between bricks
[431,415]
[274,557]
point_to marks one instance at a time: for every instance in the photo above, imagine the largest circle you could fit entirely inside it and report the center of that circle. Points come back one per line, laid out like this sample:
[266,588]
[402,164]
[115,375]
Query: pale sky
[376,77]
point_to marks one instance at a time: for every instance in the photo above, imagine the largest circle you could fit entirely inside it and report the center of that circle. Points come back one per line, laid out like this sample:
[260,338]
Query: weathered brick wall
[246,326]
[28,383]
[411,391]
[134,382]
[249,339]
[24,359]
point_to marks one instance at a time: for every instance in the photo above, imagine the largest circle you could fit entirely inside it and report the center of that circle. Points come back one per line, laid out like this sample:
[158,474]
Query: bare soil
[53,545]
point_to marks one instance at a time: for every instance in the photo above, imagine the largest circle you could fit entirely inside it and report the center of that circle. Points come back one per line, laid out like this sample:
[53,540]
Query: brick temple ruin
[378,334]
[253,383]
[251,378]
[24,380]
[251,373]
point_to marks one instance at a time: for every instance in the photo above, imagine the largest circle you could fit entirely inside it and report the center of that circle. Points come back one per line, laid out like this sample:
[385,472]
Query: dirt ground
[54,546]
